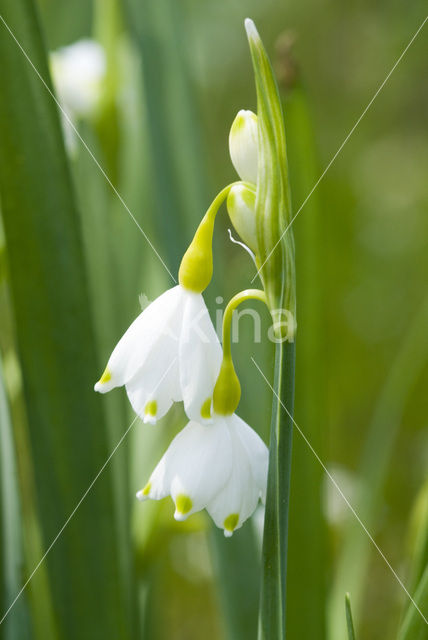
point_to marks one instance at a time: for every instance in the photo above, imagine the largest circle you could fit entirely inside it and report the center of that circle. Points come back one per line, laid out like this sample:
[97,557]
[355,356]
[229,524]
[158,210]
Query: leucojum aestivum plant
[171,353]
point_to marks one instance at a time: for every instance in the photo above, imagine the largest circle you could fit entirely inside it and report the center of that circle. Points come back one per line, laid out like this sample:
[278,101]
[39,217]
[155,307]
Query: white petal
[199,359]
[153,390]
[257,452]
[243,145]
[194,469]
[239,497]
[156,329]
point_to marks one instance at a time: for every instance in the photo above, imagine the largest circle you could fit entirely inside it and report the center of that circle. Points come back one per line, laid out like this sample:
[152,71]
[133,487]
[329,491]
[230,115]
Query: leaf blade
[55,338]
[349,621]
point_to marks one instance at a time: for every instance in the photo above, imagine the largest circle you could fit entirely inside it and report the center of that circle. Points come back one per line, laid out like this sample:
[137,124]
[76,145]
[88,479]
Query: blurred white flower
[221,467]
[243,145]
[170,352]
[78,71]
[335,507]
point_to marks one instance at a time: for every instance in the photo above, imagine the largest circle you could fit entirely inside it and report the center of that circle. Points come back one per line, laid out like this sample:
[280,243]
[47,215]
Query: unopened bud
[241,206]
[243,145]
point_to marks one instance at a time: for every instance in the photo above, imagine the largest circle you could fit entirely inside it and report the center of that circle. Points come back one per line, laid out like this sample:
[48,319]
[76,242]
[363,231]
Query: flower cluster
[171,353]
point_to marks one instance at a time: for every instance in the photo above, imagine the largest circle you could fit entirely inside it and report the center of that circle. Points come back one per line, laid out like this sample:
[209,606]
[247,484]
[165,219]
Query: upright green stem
[275,540]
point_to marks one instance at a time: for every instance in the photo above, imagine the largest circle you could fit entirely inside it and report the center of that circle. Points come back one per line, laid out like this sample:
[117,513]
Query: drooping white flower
[170,352]
[78,71]
[243,145]
[221,467]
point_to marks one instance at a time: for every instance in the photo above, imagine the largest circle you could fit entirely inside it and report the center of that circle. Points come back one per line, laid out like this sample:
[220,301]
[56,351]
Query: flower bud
[241,206]
[243,145]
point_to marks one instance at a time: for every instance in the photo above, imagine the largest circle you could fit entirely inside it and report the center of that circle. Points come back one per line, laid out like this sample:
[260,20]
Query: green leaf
[17,626]
[309,555]
[417,542]
[349,622]
[414,626]
[56,340]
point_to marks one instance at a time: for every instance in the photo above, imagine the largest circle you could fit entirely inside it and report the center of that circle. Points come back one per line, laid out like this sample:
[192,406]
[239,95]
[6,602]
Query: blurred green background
[73,263]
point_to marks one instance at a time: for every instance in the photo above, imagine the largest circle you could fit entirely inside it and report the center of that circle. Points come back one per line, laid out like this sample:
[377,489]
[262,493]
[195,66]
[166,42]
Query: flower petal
[194,468]
[199,359]
[257,451]
[247,483]
[153,390]
[156,328]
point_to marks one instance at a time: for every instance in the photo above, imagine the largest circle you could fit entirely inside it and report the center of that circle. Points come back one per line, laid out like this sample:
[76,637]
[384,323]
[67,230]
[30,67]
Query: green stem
[275,540]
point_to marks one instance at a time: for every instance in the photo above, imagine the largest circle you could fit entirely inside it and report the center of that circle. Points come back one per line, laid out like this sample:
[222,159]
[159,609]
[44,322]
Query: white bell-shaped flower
[170,352]
[243,145]
[221,467]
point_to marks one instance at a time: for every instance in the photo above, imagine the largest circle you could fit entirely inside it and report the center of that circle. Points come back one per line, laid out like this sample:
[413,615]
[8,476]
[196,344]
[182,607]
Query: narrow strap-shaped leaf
[12,556]
[55,339]
[349,621]
[414,627]
[309,555]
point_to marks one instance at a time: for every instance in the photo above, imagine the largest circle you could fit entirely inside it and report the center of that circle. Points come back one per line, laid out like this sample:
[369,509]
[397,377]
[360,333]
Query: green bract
[275,255]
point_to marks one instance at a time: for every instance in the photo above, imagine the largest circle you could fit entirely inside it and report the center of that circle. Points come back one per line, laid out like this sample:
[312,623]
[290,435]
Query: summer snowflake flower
[221,467]
[170,352]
